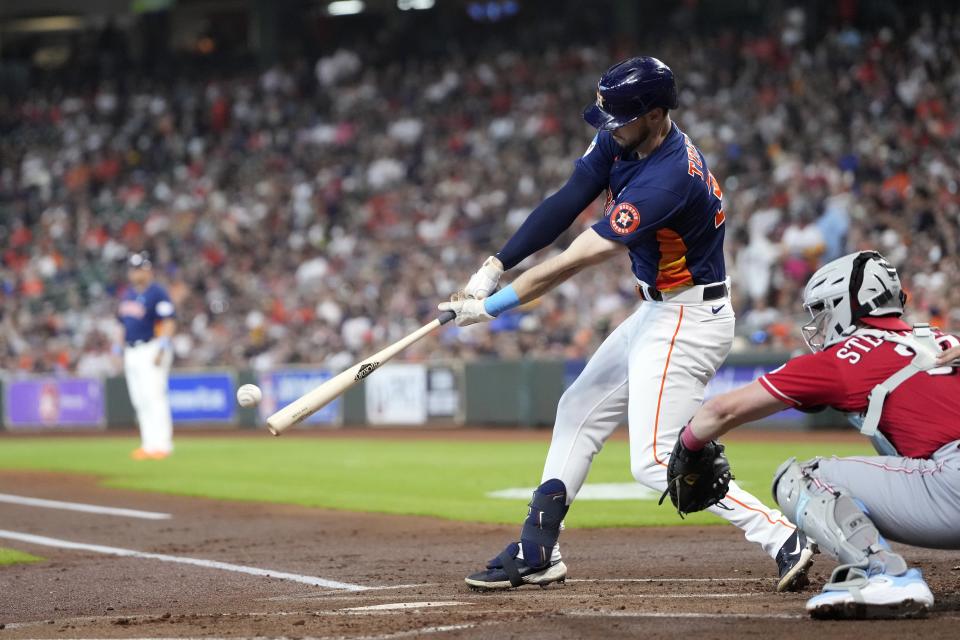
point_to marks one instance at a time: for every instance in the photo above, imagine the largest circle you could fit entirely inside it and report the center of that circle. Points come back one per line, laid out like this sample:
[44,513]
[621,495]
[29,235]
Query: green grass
[421,477]
[11,556]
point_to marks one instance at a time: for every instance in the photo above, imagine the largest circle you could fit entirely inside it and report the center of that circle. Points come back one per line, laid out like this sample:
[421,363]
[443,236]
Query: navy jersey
[666,208]
[141,311]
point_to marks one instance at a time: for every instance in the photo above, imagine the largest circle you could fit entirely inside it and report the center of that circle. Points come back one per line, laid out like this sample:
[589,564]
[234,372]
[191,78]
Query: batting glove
[469,311]
[485,280]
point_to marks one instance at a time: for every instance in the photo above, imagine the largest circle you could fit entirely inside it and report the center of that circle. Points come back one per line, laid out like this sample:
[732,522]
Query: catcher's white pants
[651,373]
[147,383]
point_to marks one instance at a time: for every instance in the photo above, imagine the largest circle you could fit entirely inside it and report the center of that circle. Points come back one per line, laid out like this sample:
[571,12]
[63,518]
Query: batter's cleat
[143,454]
[794,561]
[507,571]
[852,595]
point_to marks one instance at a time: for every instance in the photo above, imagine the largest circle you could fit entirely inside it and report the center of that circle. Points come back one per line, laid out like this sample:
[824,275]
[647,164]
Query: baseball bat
[319,397]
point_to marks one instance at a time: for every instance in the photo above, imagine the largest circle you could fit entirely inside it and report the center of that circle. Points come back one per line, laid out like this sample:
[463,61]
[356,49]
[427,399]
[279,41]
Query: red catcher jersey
[919,417]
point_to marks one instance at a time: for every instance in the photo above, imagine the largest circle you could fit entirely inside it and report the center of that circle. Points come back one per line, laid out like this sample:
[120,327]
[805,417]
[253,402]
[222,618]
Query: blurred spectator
[297,225]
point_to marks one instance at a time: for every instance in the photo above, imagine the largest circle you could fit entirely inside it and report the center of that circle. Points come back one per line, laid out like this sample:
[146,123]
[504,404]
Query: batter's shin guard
[832,518]
[541,529]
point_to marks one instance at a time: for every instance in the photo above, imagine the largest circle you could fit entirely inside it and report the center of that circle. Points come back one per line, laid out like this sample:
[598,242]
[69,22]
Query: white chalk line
[389,636]
[199,562]
[407,634]
[680,614]
[326,595]
[332,595]
[149,618]
[554,594]
[85,508]
[665,579]
[401,606]
[699,595]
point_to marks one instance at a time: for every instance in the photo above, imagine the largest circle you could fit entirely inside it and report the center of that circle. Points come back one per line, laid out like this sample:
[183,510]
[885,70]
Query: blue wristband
[165,343]
[501,301]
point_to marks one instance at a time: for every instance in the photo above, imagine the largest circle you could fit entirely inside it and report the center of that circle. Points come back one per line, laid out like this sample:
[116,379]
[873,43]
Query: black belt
[711,292]
[136,343]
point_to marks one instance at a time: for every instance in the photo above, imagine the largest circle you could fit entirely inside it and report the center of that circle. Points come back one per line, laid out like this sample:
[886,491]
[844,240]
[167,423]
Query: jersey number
[695,168]
[719,217]
[946,341]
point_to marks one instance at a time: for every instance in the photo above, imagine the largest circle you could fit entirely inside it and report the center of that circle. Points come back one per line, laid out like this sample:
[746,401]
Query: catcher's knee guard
[832,519]
[541,529]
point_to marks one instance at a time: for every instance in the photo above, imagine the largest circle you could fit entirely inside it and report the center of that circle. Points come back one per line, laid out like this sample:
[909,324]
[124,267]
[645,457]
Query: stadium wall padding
[119,409]
[522,393]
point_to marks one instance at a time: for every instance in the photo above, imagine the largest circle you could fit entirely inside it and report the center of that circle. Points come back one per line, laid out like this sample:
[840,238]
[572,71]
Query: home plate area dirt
[218,569]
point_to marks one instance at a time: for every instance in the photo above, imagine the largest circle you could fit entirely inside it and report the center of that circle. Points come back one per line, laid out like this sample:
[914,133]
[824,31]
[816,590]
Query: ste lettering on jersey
[919,417]
[666,208]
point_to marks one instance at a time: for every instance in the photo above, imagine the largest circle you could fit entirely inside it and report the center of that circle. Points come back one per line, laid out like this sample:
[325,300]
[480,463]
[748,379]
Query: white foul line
[87,508]
[209,564]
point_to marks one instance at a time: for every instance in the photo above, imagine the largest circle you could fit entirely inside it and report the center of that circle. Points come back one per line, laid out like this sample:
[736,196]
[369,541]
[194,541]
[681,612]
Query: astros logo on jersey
[624,218]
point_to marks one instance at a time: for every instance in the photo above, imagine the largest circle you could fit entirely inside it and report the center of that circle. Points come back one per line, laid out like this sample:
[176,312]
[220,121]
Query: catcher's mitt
[697,480]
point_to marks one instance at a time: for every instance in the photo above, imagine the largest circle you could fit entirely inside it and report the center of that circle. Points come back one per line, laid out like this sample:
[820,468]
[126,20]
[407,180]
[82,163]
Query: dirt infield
[390,577]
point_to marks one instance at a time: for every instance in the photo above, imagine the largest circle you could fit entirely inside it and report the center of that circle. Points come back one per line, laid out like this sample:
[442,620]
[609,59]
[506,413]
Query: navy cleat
[507,571]
[538,538]
[793,561]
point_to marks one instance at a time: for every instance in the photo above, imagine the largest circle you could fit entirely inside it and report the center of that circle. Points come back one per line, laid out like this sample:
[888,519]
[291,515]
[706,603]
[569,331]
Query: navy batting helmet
[629,89]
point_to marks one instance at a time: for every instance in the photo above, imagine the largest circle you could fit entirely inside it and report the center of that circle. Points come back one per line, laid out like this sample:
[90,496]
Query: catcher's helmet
[844,291]
[629,89]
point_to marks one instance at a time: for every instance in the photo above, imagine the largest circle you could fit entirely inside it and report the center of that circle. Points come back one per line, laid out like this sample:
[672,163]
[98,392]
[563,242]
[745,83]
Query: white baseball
[249,395]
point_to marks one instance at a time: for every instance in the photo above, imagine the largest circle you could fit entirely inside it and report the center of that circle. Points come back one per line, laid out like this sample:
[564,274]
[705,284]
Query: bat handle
[446,316]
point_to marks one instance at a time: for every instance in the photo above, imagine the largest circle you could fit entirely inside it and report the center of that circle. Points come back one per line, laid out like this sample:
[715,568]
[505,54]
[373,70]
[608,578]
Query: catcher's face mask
[815,332]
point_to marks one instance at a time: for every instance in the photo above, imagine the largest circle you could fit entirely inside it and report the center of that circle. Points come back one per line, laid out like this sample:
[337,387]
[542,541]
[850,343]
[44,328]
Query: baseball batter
[868,361]
[665,210]
[147,315]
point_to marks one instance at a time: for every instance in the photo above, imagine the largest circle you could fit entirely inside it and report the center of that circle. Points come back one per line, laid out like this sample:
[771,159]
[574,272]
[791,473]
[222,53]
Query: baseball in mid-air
[249,395]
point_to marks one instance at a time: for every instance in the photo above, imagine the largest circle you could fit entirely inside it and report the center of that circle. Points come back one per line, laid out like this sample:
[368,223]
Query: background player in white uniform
[665,209]
[148,321]
[867,361]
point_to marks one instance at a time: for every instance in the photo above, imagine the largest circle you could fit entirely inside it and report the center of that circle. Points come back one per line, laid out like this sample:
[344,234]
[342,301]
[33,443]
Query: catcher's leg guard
[833,519]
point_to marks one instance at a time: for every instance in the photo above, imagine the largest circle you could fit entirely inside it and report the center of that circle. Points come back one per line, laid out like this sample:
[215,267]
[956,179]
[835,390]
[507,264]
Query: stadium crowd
[310,214]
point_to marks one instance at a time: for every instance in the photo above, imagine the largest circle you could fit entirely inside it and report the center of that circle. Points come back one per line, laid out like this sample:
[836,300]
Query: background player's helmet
[139,260]
[842,292]
[629,89]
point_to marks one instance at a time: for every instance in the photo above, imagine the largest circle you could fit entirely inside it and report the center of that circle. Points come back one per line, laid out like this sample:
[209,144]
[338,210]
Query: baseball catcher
[866,361]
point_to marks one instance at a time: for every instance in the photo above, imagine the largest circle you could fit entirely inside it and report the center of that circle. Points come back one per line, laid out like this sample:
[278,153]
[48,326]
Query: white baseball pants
[147,383]
[651,373]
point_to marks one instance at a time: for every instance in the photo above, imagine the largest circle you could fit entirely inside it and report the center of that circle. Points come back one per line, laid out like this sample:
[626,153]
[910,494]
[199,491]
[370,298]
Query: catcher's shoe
[855,596]
[507,571]
[793,561]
